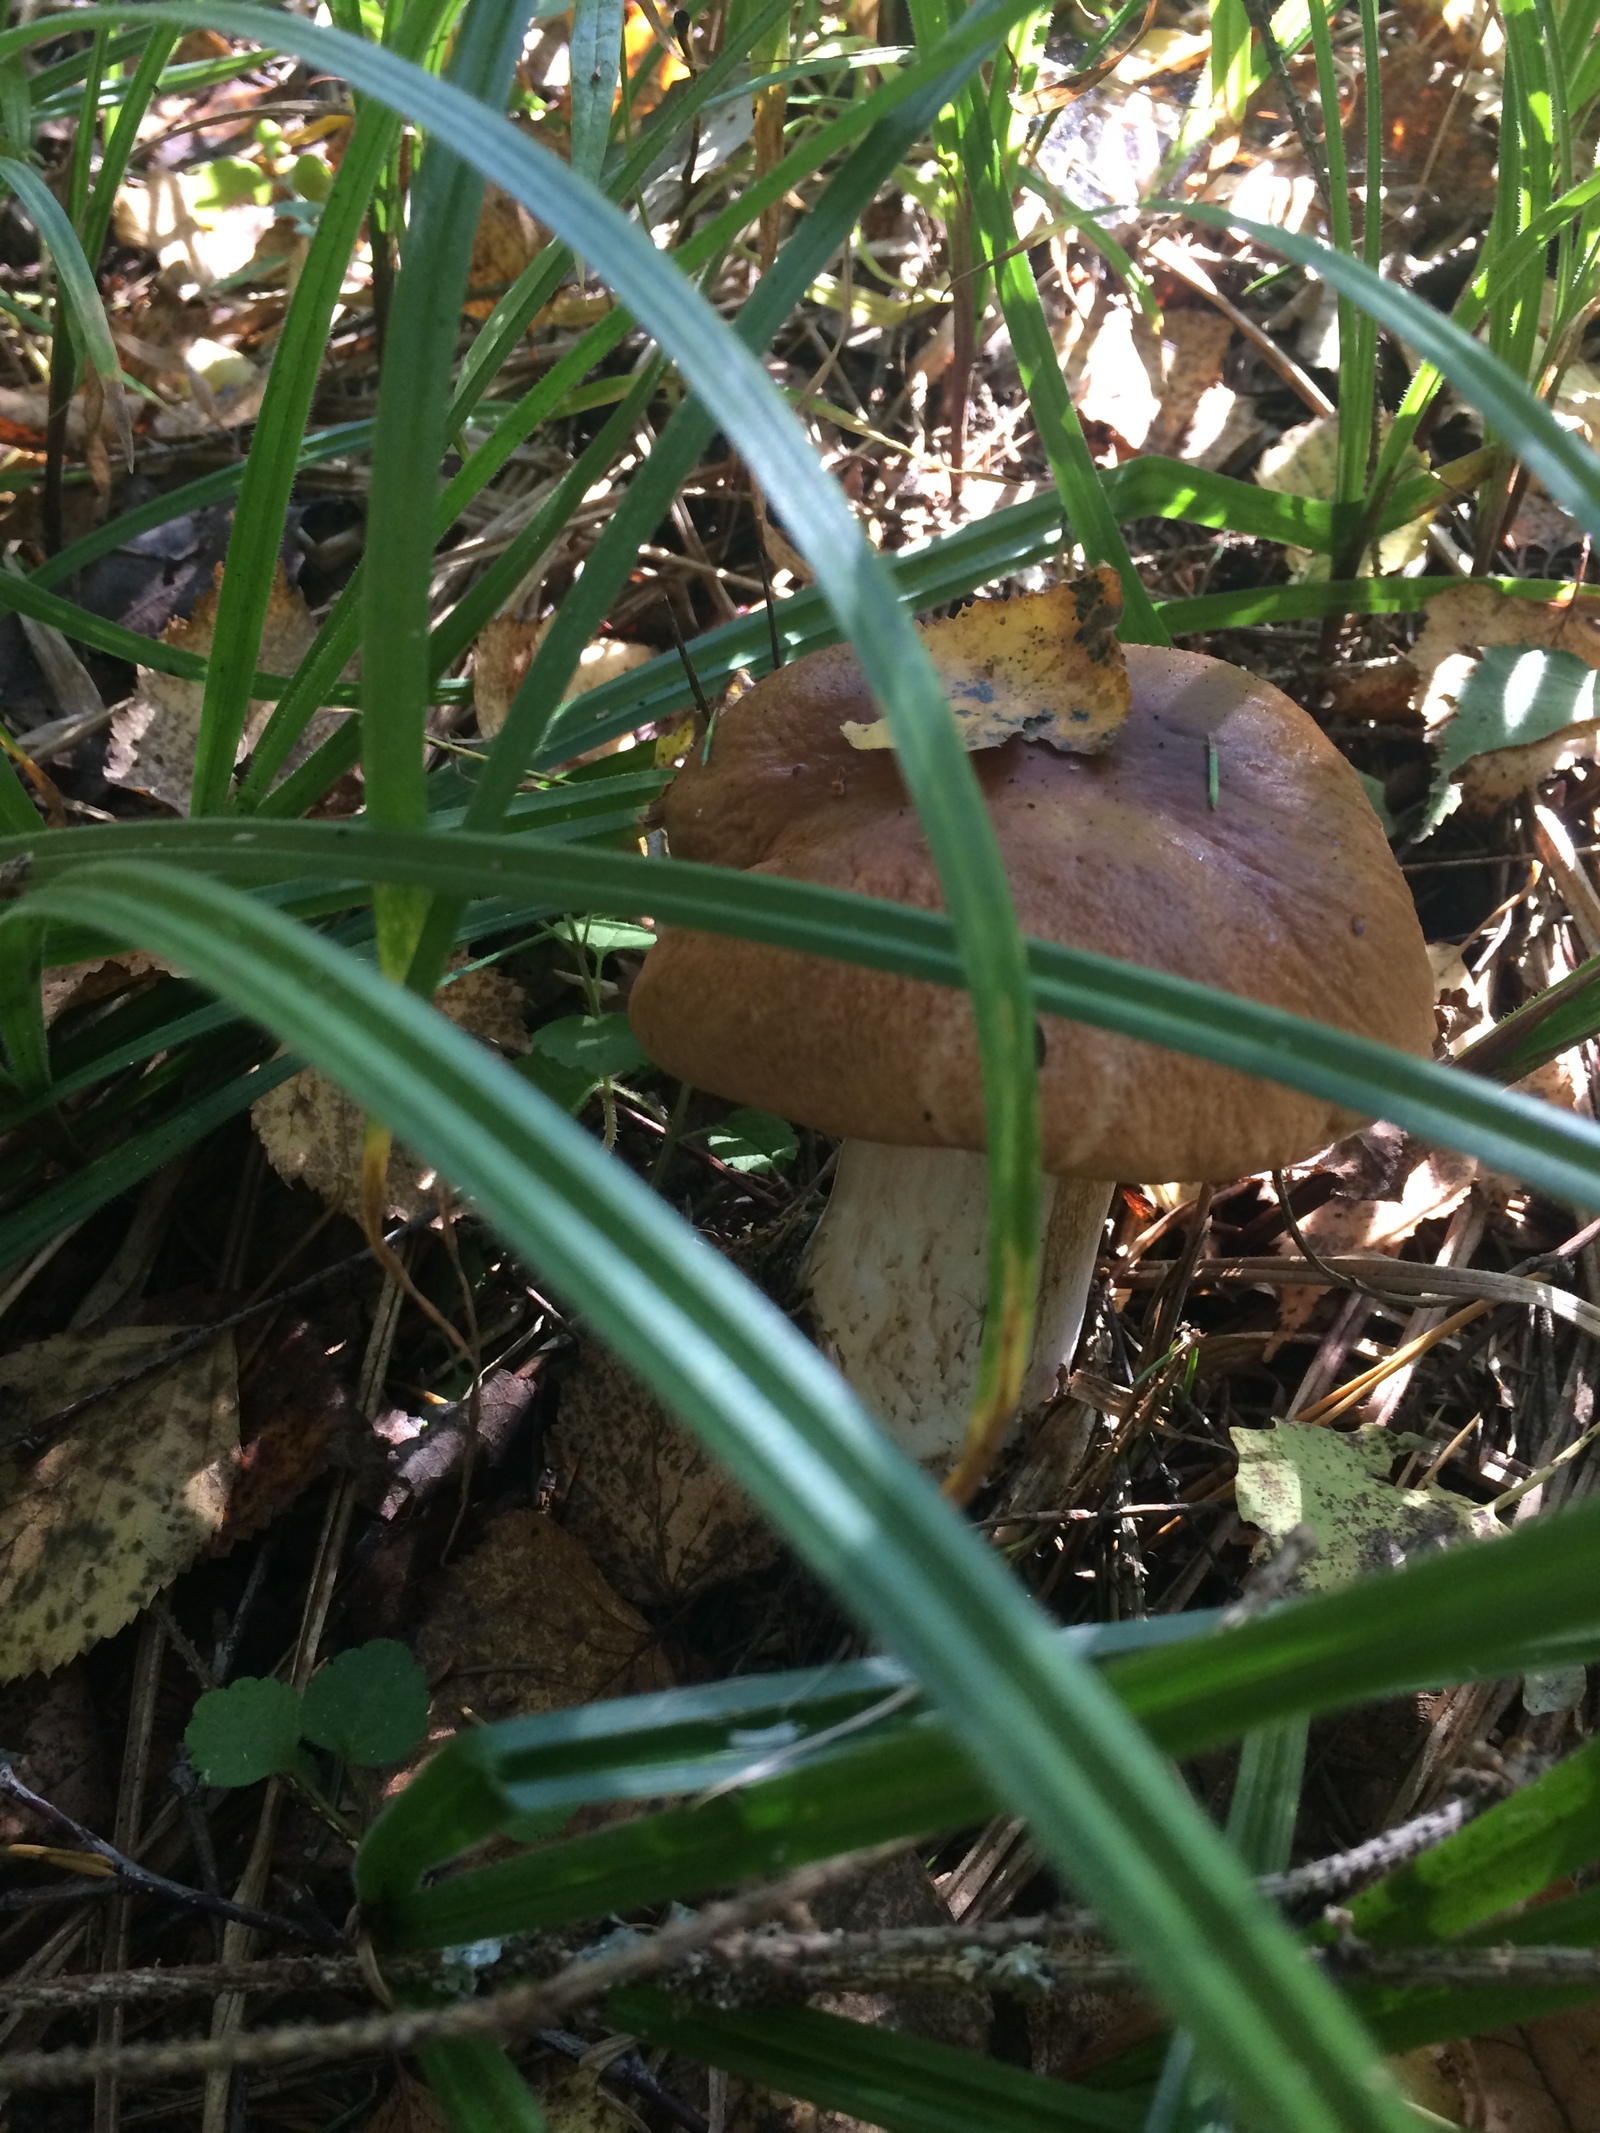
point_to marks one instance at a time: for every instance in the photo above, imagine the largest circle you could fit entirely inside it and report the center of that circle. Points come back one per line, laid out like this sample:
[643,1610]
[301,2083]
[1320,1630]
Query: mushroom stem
[897,1280]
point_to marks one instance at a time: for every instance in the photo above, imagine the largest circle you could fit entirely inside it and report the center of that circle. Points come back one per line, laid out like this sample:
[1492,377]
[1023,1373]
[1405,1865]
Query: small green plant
[368,1707]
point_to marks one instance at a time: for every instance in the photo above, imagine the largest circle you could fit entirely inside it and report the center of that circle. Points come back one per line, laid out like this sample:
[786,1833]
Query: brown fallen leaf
[1062,680]
[409,2107]
[1541,2077]
[156,732]
[504,652]
[96,1524]
[649,1502]
[505,243]
[1434,1183]
[526,1623]
[313,1134]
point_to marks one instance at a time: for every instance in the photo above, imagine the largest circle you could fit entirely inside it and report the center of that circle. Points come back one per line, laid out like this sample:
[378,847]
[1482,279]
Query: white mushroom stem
[897,1277]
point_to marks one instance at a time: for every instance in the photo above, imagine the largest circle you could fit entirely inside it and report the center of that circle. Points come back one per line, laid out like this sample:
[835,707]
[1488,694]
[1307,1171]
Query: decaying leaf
[504,652]
[1149,384]
[1304,462]
[1431,1183]
[156,732]
[1501,725]
[1334,1481]
[1060,679]
[313,1134]
[526,1623]
[504,245]
[643,1495]
[95,1525]
[1541,2077]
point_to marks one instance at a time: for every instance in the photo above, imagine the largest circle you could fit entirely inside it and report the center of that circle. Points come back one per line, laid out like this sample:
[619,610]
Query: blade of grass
[407,448]
[90,326]
[275,450]
[906,2084]
[1568,469]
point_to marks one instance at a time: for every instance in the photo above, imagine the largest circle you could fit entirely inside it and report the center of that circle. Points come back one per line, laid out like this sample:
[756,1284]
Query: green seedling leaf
[604,936]
[246,1732]
[750,1140]
[1516,694]
[1335,1482]
[596,1045]
[369,1705]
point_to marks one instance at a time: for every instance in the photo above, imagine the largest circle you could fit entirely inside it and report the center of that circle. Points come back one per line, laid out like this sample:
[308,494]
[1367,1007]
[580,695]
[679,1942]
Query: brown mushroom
[1220,837]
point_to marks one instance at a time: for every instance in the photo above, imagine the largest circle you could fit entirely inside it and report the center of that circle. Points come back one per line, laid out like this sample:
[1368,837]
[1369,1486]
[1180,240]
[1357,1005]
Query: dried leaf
[657,1513]
[1436,1182]
[156,732]
[92,1528]
[504,652]
[1542,2077]
[1058,678]
[526,1623]
[505,243]
[314,1134]
[1304,462]
[1333,1481]
[409,2107]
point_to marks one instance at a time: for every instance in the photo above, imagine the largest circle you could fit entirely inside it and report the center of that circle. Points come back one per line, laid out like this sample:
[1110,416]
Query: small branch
[131,1877]
[506,2016]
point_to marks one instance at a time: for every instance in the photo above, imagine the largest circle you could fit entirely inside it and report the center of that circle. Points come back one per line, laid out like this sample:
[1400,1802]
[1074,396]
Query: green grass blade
[1517,1849]
[1101,1801]
[349,438]
[407,448]
[1556,1150]
[1568,469]
[1060,432]
[275,451]
[596,58]
[479,2088]
[123,137]
[906,2084]
[79,293]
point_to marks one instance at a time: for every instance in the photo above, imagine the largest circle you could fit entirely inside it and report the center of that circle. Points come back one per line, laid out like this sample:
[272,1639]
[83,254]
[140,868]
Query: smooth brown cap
[1284,892]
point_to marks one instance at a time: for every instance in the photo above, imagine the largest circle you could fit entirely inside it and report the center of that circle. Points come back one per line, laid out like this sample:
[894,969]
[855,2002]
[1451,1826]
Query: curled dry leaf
[526,1623]
[504,652]
[94,1526]
[155,734]
[1462,624]
[1062,679]
[1434,1183]
[313,1134]
[645,1497]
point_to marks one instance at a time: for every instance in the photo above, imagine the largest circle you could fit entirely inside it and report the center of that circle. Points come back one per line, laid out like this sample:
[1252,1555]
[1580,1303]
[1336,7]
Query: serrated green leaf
[595,1045]
[369,1705]
[246,1732]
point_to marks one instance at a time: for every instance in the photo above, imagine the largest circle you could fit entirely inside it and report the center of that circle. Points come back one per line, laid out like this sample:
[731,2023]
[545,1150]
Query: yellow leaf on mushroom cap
[1058,677]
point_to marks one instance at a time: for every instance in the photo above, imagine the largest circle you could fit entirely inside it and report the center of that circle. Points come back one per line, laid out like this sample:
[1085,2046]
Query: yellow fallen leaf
[1058,677]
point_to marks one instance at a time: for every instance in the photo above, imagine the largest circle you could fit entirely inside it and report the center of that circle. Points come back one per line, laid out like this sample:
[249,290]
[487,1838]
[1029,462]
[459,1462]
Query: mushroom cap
[1285,892]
